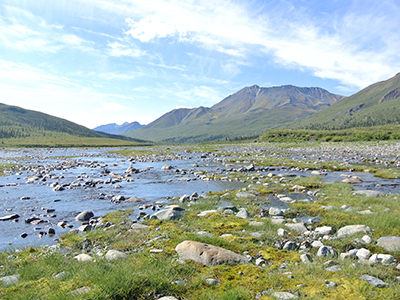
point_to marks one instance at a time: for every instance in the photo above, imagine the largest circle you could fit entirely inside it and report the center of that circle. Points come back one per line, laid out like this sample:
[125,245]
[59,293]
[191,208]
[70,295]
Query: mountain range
[114,128]
[250,111]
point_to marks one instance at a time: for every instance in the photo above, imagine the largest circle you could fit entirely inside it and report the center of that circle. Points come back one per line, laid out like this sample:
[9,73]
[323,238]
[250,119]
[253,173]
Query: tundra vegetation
[151,268]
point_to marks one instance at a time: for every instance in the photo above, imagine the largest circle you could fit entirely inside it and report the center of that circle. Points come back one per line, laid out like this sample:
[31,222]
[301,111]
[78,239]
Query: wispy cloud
[338,46]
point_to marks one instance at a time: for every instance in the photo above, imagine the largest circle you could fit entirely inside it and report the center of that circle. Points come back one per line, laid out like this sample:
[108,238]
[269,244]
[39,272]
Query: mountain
[377,104]
[118,129]
[20,123]
[250,111]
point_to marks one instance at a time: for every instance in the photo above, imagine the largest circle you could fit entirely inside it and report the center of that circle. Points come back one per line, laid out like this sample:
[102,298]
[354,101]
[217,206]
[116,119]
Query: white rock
[83,258]
[325,230]
[363,253]
[115,254]
[353,229]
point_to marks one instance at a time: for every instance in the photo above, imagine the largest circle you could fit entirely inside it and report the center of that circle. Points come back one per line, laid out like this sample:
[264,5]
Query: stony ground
[282,236]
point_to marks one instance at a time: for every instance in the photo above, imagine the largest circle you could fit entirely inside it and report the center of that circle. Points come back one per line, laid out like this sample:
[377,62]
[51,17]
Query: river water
[151,185]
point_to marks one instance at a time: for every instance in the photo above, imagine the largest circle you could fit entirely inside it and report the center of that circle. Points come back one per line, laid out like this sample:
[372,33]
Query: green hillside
[248,112]
[22,127]
[378,104]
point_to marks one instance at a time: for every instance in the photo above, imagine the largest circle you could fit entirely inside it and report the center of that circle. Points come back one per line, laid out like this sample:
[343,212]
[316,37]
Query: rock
[326,251]
[352,180]
[389,243]
[306,258]
[84,216]
[368,193]
[353,229]
[168,298]
[381,258]
[184,198]
[284,296]
[9,217]
[275,211]
[136,226]
[115,254]
[245,195]
[282,232]
[260,262]
[85,228]
[170,213]
[374,281]
[243,213]
[290,246]
[60,276]
[51,231]
[363,253]
[278,221]
[206,212]
[208,254]
[256,223]
[166,167]
[325,230]
[299,227]
[23,235]
[330,283]
[367,239]
[83,258]
[133,200]
[336,268]
[10,280]
[211,281]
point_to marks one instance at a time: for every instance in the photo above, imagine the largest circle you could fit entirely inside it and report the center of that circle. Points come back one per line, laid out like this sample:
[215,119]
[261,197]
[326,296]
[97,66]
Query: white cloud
[339,47]
[117,49]
[33,88]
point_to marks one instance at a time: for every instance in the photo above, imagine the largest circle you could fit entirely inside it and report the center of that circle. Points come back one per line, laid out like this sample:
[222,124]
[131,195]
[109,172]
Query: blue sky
[96,62]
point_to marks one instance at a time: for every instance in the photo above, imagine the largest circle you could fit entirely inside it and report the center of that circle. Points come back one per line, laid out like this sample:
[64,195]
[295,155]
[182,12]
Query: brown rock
[208,254]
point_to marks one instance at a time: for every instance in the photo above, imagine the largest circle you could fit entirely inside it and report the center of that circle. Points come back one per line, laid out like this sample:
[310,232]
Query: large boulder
[208,255]
[115,254]
[389,243]
[84,216]
[353,229]
[170,213]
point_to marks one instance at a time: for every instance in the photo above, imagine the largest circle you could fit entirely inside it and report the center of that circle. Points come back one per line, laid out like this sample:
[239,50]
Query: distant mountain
[17,122]
[377,104]
[118,129]
[250,111]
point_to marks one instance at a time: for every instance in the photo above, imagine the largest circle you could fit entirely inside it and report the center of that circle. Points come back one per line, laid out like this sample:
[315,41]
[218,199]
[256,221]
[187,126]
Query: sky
[97,62]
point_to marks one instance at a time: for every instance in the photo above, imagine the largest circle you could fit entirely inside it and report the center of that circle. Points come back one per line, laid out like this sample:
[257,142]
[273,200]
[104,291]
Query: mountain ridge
[255,106]
[377,104]
[114,128]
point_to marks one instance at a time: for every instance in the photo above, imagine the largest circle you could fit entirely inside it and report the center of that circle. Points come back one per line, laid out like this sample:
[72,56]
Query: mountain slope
[118,129]
[16,122]
[377,104]
[250,111]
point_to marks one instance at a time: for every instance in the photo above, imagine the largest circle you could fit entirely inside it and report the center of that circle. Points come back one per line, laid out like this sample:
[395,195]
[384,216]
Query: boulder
[10,280]
[83,258]
[170,213]
[389,243]
[325,251]
[299,227]
[9,217]
[115,254]
[208,255]
[84,216]
[352,180]
[243,213]
[368,193]
[353,229]
[374,281]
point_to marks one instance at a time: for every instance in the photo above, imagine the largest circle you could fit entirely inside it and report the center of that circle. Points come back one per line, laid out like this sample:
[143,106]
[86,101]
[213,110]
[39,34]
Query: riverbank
[292,236]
